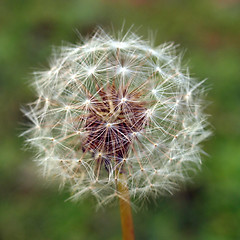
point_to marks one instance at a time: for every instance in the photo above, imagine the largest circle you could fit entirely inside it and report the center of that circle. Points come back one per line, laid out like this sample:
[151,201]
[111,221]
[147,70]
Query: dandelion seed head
[113,106]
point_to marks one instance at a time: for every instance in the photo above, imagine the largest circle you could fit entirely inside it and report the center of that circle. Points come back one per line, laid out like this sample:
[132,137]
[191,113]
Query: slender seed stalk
[125,209]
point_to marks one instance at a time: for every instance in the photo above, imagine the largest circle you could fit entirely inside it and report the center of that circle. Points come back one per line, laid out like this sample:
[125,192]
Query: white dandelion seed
[115,106]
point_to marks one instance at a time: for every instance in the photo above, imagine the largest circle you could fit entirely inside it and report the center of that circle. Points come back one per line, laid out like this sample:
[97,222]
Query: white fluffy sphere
[113,106]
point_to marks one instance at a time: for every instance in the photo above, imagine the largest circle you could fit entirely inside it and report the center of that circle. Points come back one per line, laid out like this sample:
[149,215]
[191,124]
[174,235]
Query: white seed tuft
[144,112]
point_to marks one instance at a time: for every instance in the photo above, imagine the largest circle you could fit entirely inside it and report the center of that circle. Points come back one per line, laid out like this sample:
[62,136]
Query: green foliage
[209,208]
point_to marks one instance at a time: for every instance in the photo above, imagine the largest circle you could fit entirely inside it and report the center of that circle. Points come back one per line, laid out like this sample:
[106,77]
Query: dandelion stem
[125,209]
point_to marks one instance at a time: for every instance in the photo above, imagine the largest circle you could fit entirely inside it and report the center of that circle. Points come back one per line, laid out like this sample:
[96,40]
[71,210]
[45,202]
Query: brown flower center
[111,124]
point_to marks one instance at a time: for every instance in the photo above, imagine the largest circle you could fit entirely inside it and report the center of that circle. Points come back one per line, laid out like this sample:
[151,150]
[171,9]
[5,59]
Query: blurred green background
[208,208]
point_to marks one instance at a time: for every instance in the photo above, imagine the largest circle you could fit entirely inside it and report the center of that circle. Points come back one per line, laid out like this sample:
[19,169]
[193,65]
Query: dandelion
[117,117]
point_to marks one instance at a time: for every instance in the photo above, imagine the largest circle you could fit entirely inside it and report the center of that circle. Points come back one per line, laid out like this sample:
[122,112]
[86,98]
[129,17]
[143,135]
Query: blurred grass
[208,209]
